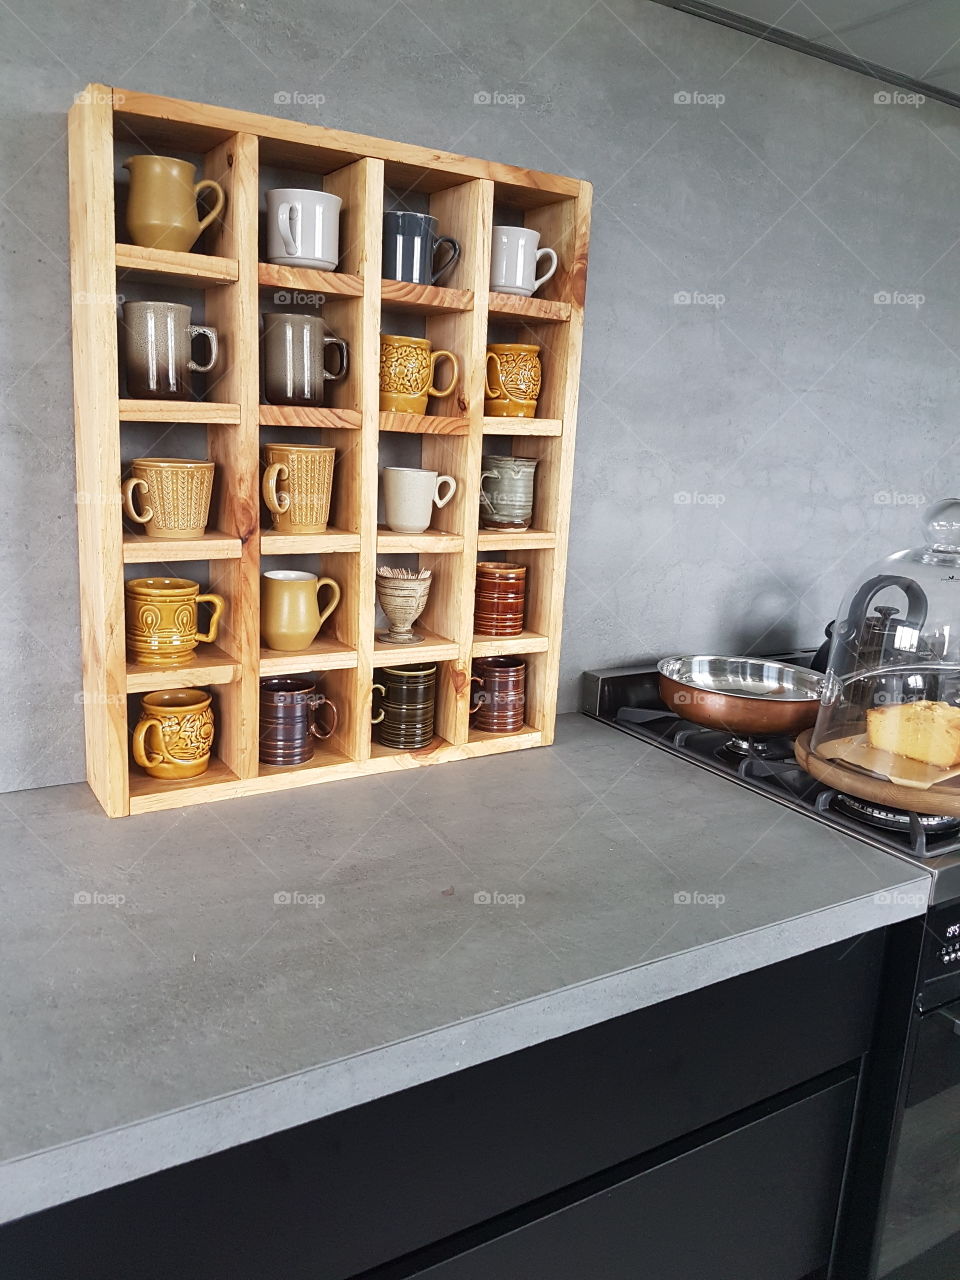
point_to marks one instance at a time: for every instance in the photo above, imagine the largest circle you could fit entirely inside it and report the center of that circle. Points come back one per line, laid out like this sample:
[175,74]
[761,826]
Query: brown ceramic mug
[501,696]
[288,719]
[500,598]
[161,620]
[294,358]
[162,206]
[406,715]
[408,372]
[513,380]
[174,735]
[297,485]
[157,338]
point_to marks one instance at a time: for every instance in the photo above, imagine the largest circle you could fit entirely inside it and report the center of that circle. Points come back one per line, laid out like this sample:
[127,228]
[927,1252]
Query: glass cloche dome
[891,697]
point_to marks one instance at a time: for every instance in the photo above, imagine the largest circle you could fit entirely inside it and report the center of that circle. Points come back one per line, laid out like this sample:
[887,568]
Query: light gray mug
[514,259]
[409,496]
[506,492]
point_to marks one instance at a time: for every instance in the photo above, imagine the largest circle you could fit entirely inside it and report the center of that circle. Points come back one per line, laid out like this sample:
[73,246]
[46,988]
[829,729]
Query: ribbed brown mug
[288,719]
[500,597]
[501,695]
[405,719]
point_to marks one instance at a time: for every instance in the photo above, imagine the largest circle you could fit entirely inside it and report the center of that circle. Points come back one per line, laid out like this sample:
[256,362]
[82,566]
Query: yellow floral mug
[174,735]
[513,389]
[408,372]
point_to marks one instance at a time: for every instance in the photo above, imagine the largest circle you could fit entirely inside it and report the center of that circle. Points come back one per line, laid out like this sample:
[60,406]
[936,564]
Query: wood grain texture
[495,646]
[293,415]
[213,545]
[522,427]
[209,412]
[95,381]
[308,280]
[515,540]
[510,307]
[424,299]
[325,654]
[424,424]
[306,544]
[210,665]
[138,263]
[433,542]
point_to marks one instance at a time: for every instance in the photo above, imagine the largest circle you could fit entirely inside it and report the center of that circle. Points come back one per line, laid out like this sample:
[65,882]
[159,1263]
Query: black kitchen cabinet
[699,1139]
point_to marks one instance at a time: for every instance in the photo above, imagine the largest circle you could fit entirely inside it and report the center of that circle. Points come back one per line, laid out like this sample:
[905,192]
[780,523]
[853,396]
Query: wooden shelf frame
[462,192]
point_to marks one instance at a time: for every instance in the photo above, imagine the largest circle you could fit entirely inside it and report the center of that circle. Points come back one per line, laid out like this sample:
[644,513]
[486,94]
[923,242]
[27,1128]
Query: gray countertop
[180,982]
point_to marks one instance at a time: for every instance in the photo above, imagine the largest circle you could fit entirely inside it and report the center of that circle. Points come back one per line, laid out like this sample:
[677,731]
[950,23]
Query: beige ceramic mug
[162,207]
[410,494]
[297,485]
[290,616]
[174,494]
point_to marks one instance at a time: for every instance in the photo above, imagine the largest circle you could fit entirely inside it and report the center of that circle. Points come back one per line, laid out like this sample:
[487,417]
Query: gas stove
[628,699]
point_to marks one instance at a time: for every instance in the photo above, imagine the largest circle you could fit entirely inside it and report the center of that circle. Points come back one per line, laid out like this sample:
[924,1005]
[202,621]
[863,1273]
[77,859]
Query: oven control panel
[940,971]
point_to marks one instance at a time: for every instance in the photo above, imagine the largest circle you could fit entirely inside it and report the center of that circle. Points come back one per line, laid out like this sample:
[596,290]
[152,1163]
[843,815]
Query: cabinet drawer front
[758,1202]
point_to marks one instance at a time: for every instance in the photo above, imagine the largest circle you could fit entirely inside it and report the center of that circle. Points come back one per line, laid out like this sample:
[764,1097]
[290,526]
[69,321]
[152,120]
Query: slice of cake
[925,731]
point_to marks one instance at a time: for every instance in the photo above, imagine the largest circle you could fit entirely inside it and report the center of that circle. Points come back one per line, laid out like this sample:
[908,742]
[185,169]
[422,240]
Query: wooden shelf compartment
[325,654]
[513,309]
[293,415]
[207,412]
[527,737]
[498,646]
[305,544]
[522,427]
[209,665]
[515,540]
[432,648]
[212,545]
[431,542]
[424,424]
[147,793]
[424,299]
[324,757]
[199,270]
[340,284]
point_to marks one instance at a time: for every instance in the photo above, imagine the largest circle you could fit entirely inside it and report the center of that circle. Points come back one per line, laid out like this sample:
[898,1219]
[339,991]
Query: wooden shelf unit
[460,191]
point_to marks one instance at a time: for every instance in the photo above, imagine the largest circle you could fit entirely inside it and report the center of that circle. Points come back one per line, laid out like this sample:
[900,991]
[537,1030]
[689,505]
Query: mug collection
[170,498]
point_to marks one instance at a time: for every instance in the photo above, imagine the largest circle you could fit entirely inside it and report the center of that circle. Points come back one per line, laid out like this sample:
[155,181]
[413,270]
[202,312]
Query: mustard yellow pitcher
[162,208]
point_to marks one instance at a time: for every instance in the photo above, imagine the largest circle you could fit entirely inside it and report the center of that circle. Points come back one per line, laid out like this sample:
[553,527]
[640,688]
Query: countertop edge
[57,1175]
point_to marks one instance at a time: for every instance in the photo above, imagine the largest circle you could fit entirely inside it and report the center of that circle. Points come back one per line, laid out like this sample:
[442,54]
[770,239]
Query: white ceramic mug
[303,228]
[409,496]
[514,260]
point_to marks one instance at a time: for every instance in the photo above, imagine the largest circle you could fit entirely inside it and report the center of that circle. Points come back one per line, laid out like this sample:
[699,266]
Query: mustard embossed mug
[162,620]
[408,371]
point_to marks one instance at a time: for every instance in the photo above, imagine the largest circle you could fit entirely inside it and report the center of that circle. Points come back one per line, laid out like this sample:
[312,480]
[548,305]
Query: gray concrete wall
[738,459]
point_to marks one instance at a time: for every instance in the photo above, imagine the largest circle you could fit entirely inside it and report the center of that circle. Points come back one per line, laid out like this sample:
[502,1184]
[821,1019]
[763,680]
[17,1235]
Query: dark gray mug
[294,364]
[410,243]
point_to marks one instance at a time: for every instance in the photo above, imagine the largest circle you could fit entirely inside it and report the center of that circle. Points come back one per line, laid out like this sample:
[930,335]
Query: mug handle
[150,759]
[451,490]
[211,336]
[208,184]
[342,349]
[276,502]
[487,475]
[455,377]
[377,719]
[219,604]
[479,680]
[287,214]
[545,253]
[454,248]
[318,702]
[129,486]
[334,598]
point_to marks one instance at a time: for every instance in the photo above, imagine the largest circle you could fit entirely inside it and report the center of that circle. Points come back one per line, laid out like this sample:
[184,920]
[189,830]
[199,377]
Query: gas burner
[933,824]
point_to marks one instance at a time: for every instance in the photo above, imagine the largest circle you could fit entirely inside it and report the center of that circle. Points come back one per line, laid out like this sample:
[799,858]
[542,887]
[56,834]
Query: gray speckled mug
[157,338]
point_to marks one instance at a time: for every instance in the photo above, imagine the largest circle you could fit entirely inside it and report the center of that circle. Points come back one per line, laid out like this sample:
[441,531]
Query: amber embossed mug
[174,735]
[290,616]
[297,484]
[162,620]
[162,207]
[408,372]
[174,494]
[513,379]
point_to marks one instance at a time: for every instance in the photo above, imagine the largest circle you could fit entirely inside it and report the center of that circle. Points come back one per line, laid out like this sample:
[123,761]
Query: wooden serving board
[850,776]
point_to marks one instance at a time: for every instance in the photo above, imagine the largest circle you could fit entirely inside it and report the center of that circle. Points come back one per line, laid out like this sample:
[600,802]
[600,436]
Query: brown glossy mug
[289,721]
[501,695]
[174,735]
[161,616]
[500,598]
[406,713]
